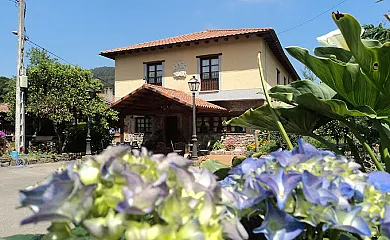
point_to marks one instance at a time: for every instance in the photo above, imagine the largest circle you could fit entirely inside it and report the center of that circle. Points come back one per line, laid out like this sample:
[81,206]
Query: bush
[218,145]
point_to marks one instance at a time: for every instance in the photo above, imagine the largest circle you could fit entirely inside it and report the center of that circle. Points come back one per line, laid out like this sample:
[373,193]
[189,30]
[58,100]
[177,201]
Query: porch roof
[142,98]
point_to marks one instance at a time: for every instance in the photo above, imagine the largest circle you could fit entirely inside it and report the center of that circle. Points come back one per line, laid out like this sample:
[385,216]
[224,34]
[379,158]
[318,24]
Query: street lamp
[194,84]
[88,139]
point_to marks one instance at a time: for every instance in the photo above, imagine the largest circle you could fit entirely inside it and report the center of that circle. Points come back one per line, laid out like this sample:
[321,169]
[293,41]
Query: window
[214,125]
[209,73]
[277,77]
[285,81]
[154,73]
[143,125]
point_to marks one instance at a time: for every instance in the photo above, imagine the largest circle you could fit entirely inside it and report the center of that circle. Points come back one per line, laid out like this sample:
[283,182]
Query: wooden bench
[5,160]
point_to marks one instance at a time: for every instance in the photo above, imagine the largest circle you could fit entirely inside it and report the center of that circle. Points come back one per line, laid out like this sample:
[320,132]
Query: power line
[313,18]
[33,43]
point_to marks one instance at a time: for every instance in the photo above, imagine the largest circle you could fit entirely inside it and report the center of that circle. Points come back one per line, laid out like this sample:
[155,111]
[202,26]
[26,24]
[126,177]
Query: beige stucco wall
[238,65]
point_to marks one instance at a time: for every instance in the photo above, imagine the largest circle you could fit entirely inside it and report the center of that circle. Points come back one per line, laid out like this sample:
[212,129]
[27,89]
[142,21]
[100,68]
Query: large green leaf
[297,88]
[345,78]
[374,61]
[213,165]
[296,120]
[333,108]
[334,52]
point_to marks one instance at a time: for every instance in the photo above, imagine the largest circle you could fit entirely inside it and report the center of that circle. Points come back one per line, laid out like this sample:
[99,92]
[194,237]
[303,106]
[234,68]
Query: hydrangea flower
[134,195]
[311,188]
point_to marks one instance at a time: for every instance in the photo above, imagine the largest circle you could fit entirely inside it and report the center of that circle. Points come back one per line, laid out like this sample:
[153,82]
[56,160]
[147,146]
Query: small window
[154,73]
[277,77]
[284,80]
[209,73]
[143,125]
[214,125]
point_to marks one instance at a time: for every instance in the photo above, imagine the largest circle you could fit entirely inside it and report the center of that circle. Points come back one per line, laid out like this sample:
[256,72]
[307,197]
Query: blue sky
[77,30]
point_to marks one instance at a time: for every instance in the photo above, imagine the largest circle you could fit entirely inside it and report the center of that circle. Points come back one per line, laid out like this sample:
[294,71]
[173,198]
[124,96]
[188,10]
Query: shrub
[217,145]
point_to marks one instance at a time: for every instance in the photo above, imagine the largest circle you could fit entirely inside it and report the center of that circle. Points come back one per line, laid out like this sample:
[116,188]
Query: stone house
[151,83]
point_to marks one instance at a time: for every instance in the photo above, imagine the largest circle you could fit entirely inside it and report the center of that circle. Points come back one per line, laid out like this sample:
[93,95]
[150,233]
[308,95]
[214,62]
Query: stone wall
[239,140]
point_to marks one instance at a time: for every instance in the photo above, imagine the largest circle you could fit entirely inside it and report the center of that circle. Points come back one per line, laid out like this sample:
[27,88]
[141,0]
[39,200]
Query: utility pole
[20,77]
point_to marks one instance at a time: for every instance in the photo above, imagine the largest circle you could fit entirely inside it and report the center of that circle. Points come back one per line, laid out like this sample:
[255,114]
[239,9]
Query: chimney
[109,93]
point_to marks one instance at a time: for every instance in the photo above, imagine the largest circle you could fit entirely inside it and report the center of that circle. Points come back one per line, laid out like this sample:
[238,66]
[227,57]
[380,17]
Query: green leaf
[297,88]
[237,161]
[344,78]
[374,61]
[333,108]
[213,165]
[335,53]
[383,238]
[283,97]
[296,120]
[24,237]
[347,236]
[222,173]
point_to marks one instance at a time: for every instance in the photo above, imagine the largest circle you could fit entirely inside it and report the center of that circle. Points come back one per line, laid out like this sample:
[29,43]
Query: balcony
[155,81]
[209,82]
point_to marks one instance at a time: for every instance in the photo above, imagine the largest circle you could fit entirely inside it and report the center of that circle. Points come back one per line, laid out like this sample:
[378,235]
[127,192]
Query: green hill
[105,74]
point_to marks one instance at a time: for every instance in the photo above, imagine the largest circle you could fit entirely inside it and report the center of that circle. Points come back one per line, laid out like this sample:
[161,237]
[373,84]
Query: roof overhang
[268,34]
[153,99]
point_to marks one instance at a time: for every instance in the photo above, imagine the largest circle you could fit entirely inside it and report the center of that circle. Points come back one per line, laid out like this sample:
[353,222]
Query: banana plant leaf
[344,78]
[335,53]
[374,61]
[213,165]
[296,120]
[289,93]
[333,108]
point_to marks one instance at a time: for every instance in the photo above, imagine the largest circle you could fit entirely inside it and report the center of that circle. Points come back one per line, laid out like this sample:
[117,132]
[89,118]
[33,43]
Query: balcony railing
[155,81]
[210,83]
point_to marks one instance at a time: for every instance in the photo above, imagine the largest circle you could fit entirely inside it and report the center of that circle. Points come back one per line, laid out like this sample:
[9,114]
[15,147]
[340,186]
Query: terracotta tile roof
[196,36]
[175,95]
[268,34]
[4,108]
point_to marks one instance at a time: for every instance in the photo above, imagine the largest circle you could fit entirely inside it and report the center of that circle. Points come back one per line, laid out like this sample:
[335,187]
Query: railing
[210,84]
[155,81]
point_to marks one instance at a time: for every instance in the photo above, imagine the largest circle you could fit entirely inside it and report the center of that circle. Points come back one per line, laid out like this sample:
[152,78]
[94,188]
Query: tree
[307,74]
[379,33]
[105,74]
[59,93]
[6,84]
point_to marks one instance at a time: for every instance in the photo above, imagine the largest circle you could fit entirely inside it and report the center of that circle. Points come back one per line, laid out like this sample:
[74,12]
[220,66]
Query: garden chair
[179,148]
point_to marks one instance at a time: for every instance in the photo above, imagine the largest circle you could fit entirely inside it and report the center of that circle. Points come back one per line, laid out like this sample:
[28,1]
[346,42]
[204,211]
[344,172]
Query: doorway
[171,129]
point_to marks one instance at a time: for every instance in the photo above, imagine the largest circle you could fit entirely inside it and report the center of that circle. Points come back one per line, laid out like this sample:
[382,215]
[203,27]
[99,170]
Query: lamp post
[88,139]
[194,84]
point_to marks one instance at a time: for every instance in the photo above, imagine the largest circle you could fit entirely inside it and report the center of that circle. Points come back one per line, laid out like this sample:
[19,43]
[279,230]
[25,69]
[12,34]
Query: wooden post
[122,126]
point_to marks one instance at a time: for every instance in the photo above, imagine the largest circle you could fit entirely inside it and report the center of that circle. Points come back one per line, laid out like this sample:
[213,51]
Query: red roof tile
[4,108]
[207,34]
[175,95]
[268,34]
